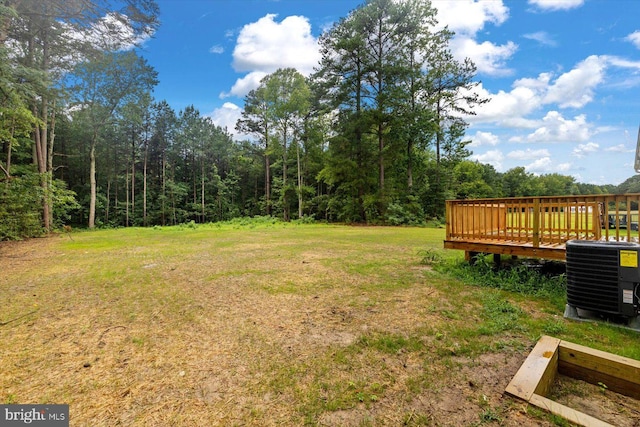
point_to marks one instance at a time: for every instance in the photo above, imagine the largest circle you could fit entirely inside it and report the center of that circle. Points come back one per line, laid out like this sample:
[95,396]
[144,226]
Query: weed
[430,257]
[413,419]
[390,343]
[554,327]
[521,277]
[489,415]
[500,316]
[602,387]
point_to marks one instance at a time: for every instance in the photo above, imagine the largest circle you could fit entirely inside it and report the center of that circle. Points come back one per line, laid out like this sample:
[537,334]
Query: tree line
[375,134]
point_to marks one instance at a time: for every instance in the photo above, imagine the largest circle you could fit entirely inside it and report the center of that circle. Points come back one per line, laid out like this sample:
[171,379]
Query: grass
[259,322]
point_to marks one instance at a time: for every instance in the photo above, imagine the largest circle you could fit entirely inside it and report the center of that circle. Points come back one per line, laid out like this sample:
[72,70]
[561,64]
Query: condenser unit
[603,279]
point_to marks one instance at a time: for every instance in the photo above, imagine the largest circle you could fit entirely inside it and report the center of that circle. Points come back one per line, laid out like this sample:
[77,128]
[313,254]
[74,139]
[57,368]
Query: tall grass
[525,277]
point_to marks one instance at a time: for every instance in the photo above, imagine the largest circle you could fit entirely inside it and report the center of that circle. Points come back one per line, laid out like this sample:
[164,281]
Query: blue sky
[562,76]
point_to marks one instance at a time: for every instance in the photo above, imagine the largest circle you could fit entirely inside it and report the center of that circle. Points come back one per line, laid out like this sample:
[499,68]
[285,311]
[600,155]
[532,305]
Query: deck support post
[470,257]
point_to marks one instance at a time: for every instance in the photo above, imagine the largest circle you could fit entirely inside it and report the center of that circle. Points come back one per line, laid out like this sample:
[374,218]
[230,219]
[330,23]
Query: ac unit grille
[592,277]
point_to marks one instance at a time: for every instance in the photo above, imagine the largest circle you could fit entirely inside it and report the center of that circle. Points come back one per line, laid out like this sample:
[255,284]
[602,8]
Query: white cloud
[575,88]
[492,157]
[483,138]
[466,18]
[489,58]
[555,128]
[216,49]
[541,165]
[469,16]
[226,117]
[557,4]
[541,37]
[620,148]
[266,45]
[622,63]
[634,38]
[503,106]
[111,32]
[583,149]
[528,154]
[245,84]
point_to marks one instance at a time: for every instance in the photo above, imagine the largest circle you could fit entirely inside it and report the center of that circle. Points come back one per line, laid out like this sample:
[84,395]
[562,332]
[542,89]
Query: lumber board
[566,412]
[508,248]
[619,374]
[538,371]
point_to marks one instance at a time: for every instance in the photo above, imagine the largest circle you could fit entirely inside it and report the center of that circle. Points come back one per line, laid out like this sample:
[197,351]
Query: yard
[267,323]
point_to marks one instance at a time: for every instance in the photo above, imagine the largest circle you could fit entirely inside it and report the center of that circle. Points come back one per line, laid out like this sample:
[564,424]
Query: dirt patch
[597,401]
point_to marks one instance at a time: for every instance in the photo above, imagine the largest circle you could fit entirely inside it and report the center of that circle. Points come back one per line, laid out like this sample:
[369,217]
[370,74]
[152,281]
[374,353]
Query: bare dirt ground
[226,338]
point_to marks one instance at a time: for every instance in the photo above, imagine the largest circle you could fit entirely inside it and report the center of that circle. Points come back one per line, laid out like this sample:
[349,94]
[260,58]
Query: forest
[375,135]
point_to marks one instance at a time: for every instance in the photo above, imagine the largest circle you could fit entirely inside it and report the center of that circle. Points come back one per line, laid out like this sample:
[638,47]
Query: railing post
[447,215]
[536,222]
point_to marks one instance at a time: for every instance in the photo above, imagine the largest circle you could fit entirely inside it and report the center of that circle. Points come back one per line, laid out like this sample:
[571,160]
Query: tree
[450,89]
[47,38]
[103,86]
[165,123]
[341,86]
[469,181]
[288,99]
[256,121]
[517,182]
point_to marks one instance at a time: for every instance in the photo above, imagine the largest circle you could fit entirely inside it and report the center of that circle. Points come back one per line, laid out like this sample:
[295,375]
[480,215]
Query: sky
[562,77]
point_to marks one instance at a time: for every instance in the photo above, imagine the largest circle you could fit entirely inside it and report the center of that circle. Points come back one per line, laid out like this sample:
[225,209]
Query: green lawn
[265,323]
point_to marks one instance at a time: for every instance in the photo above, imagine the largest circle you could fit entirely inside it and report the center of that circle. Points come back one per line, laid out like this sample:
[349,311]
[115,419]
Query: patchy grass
[259,322]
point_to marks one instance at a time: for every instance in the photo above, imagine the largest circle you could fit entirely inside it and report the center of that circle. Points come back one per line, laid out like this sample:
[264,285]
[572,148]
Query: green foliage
[408,213]
[430,257]
[64,203]
[20,201]
[525,277]
[489,415]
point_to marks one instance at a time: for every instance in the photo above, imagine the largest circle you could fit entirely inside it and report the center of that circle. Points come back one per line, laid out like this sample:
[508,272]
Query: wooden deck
[539,227]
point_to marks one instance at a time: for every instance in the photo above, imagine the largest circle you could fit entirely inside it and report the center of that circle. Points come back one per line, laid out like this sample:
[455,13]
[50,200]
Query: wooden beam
[566,412]
[551,356]
[507,249]
[619,374]
[538,370]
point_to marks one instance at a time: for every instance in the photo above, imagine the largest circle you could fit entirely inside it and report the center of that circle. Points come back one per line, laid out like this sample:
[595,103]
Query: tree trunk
[9,147]
[133,177]
[285,202]
[202,188]
[164,185]
[267,184]
[128,195]
[144,183]
[106,210]
[92,178]
[299,180]
[381,158]
[52,134]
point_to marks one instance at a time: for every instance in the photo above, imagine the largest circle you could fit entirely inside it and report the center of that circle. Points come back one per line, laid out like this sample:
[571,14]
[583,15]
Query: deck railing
[540,221]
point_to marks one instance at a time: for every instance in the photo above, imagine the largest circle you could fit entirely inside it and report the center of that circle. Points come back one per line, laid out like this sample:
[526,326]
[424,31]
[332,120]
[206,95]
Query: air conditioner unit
[603,280]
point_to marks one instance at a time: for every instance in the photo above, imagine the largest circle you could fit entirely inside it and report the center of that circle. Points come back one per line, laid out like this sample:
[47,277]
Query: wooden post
[536,222]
